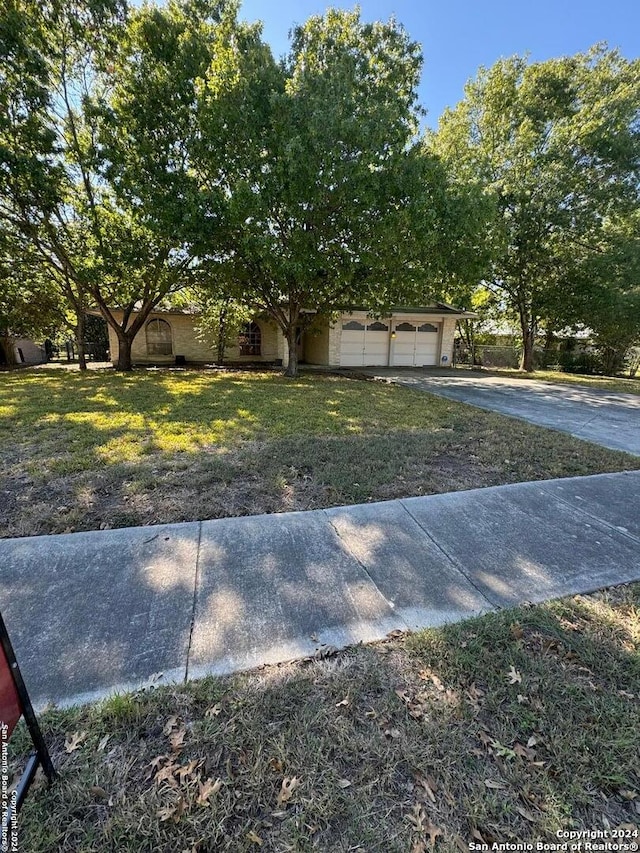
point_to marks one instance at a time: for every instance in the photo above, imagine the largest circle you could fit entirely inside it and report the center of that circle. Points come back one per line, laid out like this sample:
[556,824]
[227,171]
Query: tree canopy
[555,145]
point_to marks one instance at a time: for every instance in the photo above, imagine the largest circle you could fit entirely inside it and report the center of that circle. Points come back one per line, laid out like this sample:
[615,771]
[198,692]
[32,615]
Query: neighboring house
[25,351]
[410,337]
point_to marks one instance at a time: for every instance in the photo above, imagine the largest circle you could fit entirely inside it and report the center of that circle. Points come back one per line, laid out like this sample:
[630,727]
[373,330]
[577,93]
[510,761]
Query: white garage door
[415,344]
[364,342]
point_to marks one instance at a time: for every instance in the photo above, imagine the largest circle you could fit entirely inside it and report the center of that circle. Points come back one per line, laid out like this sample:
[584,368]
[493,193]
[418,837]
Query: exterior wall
[31,352]
[335,343]
[446,341]
[316,343]
[185,342]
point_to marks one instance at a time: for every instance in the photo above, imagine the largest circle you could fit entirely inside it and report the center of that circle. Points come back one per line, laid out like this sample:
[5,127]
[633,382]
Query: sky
[458,36]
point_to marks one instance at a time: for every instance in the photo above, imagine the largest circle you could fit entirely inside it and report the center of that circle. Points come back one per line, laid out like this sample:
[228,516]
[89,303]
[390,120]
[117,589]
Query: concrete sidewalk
[92,612]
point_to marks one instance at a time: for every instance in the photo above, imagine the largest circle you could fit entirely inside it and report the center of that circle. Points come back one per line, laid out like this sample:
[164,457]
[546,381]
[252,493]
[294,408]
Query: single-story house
[25,351]
[409,337]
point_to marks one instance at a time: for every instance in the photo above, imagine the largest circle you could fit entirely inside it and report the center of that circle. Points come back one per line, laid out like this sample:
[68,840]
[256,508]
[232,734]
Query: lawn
[601,383]
[505,728]
[83,452]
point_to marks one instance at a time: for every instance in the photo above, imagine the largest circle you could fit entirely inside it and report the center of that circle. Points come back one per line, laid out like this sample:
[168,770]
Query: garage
[414,343]
[365,342]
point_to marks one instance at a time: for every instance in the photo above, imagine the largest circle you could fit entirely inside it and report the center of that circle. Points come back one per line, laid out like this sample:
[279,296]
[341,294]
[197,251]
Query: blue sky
[458,36]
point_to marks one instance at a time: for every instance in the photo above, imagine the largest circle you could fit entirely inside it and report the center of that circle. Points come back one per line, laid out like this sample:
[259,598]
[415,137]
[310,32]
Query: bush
[588,363]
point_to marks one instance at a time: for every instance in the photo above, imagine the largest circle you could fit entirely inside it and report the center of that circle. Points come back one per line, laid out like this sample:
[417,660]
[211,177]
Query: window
[427,327]
[378,327]
[353,326]
[250,339]
[158,338]
[405,327]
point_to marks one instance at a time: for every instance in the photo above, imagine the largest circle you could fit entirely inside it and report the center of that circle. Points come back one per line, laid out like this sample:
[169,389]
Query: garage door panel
[416,343]
[364,343]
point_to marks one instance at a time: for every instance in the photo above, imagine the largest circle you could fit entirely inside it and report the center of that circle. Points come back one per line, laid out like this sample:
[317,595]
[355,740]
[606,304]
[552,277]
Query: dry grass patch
[84,451]
[504,728]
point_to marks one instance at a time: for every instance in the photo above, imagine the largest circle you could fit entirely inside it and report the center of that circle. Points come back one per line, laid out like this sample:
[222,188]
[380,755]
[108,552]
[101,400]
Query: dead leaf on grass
[176,739]
[173,813]
[343,703]
[516,630]
[98,792]
[254,838]
[166,774]
[287,789]
[514,676]
[208,789]
[170,725]
[344,783]
[74,741]
[428,784]
[190,769]
[491,783]
[214,711]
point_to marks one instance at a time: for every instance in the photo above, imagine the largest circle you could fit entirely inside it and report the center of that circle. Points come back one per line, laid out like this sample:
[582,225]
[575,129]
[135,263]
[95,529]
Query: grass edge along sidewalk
[503,728]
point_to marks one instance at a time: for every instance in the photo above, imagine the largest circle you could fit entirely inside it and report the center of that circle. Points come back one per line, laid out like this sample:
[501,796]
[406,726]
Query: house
[23,351]
[409,337]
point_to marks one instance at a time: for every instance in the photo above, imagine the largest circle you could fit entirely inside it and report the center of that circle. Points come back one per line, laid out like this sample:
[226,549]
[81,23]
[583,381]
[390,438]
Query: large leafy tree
[556,148]
[327,200]
[74,161]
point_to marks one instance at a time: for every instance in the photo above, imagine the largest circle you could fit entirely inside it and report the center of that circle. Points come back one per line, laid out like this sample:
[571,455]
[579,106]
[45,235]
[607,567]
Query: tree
[29,303]
[72,186]
[221,321]
[555,145]
[328,202]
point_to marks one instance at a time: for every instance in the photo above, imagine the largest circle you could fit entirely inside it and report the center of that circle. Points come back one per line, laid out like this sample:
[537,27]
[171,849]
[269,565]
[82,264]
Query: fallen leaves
[513,676]
[74,741]
[176,739]
[208,789]
[287,789]
[173,812]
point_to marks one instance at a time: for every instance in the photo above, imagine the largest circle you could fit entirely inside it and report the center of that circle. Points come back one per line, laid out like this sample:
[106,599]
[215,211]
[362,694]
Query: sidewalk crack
[456,565]
[195,600]
[389,604]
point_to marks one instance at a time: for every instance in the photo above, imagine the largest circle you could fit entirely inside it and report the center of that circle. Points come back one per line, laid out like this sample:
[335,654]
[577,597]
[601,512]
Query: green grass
[504,728]
[82,452]
[602,383]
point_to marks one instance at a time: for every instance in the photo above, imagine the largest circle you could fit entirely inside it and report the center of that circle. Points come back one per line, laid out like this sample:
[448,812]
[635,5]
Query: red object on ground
[10,711]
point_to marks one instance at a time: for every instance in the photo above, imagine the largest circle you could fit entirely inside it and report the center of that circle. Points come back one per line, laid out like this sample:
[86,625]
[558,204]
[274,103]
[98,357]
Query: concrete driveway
[608,418]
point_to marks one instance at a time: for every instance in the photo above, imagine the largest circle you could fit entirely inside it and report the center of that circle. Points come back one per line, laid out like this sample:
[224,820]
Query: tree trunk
[82,360]
[528,339]
[6,345]
[222,337]
[292,341]
[528,327]
[124,353]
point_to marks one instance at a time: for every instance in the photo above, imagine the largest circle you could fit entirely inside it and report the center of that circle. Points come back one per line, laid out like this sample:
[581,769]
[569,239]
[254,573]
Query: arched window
[405,327]
[250,339]
[353,326]
[158,338]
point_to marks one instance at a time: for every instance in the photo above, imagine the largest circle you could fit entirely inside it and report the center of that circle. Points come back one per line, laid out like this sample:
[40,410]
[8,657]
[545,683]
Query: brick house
[409,337]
